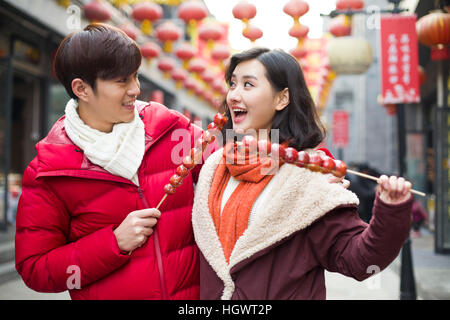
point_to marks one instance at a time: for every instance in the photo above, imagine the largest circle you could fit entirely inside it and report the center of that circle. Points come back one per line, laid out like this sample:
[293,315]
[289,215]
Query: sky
[271,19]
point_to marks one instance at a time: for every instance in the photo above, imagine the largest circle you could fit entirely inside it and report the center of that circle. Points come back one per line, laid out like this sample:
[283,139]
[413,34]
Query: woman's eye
[123,80]
[232,84]
[248,84]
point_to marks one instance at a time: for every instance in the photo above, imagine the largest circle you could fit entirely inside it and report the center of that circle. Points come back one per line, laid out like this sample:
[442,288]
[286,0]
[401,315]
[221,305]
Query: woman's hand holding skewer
[394,190]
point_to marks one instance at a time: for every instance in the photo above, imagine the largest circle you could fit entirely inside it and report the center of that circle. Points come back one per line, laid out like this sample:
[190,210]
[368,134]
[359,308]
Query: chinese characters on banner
[399,59]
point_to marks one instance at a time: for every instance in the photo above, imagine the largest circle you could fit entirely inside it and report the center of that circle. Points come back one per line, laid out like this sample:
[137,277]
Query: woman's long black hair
[298,124]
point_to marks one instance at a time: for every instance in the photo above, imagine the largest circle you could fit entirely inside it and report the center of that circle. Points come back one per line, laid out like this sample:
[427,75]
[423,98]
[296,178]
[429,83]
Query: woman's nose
[234,94]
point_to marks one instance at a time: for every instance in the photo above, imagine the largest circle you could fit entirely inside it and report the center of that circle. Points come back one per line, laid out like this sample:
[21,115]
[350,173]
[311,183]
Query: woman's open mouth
[239,115]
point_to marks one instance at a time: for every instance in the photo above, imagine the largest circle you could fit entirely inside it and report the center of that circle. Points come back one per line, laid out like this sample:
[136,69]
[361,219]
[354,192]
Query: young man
[86,219]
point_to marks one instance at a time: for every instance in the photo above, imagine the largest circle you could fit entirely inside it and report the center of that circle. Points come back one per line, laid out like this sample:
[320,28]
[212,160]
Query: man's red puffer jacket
[69,208]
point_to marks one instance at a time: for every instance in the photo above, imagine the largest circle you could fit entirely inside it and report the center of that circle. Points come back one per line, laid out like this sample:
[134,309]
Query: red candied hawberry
[340,169]
[278,150]
[188,162]
[169,189]
[208,137]
[328,164]
[182,171]
[302,159]
[315,162]
[291,155]
[196,155]
[264,147]
[176,180]
[250,144]
[220,120]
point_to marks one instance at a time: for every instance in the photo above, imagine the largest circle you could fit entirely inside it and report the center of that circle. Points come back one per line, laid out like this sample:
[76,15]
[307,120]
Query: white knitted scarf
[119,152]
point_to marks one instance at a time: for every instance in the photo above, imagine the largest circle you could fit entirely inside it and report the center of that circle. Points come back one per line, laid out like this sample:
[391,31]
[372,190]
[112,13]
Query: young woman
[86,220]
[271,236]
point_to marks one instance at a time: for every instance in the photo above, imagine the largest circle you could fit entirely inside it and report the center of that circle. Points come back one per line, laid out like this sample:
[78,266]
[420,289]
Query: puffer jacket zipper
[157,250]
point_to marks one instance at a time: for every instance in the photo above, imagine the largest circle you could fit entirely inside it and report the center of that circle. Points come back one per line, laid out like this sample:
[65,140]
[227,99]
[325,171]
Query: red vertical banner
[340,128]
[399,59]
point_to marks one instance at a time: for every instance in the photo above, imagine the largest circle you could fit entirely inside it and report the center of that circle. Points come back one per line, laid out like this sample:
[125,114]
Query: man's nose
[134,89]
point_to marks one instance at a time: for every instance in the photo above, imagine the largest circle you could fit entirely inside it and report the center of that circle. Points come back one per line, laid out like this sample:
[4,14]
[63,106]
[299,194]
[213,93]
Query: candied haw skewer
[194,157]
[313,161]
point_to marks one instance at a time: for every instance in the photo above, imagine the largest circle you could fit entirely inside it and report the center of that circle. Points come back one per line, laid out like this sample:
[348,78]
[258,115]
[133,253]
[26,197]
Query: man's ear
[80,89]
[282,99]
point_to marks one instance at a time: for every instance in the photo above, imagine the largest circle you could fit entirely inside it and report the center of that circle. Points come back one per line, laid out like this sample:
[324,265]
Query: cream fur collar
[299,197]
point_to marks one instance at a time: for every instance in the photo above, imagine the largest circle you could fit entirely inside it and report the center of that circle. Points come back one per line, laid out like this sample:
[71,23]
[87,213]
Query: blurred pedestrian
[418,216]
[86,219]
[271,235]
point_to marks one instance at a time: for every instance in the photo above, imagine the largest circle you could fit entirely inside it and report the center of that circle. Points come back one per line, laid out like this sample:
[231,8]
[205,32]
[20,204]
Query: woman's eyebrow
[245,76]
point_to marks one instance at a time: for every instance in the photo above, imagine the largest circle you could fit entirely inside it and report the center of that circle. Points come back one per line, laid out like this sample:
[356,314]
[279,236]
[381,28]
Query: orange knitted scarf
[233,220]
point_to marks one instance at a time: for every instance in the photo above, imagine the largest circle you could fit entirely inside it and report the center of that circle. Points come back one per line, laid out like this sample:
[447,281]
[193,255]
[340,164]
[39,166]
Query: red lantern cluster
[246,11]
[296,9]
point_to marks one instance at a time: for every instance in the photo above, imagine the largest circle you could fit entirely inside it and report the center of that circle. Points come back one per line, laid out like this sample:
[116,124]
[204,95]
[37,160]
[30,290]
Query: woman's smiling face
[251,98]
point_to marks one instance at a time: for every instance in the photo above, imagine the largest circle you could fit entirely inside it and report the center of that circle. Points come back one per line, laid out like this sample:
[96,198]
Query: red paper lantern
[210,32]
[157,96]
[185,52]
[147,13]
[167,33]
[179,75]
[244,11]
[130,30]
[298,31]
[298,53]
[434,30]
[197,66]
[296,8]
[220,53]
[190,84]
[252,33]
[150,50]
[338,27]
[208,76]
[95,11]
[191,12]
[166,65]
[349,4]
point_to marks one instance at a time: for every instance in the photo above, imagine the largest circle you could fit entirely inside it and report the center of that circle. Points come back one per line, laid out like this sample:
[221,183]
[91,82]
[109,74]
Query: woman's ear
[80,89]
[282,99]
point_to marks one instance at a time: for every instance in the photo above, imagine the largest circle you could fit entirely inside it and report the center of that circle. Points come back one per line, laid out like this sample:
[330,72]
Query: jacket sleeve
[45,259]
[343,243]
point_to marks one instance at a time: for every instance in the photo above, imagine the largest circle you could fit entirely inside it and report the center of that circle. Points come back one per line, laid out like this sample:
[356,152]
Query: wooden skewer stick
[419,193]
[161,202]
